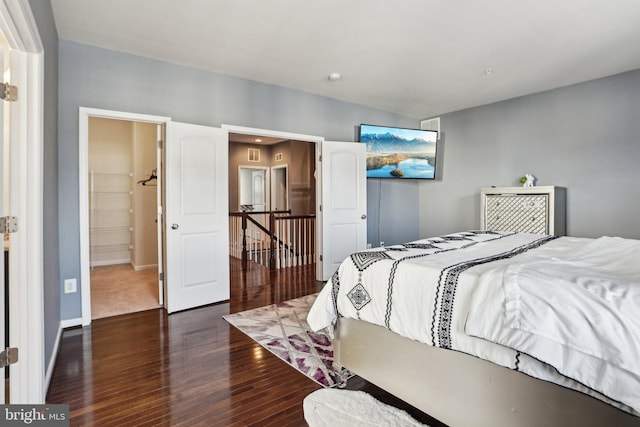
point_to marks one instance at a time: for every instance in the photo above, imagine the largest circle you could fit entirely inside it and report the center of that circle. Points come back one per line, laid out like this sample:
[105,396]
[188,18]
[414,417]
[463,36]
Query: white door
[196,216]
[4,287]
[344,203]
[258,190]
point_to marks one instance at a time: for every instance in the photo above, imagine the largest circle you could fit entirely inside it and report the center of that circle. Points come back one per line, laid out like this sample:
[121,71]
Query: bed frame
[462,390]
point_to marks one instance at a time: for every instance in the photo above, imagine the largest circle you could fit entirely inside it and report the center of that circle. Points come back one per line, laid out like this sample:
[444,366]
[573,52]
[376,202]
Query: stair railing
[282,241]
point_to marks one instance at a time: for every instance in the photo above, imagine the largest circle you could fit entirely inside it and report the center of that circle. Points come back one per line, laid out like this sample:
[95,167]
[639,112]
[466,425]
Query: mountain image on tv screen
[399,153]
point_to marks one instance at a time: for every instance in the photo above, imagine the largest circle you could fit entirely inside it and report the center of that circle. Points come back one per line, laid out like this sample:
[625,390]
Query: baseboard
[52,361]
[70,323]
[110,262]
[56,345]
[144,267]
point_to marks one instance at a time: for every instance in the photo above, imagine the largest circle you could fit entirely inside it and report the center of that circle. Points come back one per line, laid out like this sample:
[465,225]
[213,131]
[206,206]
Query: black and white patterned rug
[283,330]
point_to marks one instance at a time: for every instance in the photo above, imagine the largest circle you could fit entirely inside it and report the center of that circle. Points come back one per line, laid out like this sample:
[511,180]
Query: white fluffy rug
[332,407]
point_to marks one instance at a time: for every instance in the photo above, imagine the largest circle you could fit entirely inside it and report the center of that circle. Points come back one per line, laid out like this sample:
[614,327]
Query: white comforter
[566,310]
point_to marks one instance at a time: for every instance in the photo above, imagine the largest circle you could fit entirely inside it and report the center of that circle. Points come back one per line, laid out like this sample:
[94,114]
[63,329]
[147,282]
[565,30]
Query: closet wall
[122,213]
[144,255]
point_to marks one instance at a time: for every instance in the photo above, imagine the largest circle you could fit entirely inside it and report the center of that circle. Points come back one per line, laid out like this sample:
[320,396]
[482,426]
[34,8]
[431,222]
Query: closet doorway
[123,229]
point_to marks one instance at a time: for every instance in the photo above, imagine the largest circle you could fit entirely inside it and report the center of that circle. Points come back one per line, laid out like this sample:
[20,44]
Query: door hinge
[8,357]
[320,257]
[320,208]
[161,276]
[8,92]
[320,158]
[160,143]
[8,224]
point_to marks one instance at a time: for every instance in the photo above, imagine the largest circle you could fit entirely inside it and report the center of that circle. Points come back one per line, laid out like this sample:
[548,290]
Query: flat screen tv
[399,153]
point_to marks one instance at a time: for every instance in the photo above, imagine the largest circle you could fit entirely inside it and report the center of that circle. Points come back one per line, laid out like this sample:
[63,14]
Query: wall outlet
[368,245]
[382,244]
[70,286]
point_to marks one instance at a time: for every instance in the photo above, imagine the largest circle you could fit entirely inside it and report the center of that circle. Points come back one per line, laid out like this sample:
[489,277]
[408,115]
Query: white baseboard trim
[52,361]
[110,262]
[56,345]
[70,323]
[144,267]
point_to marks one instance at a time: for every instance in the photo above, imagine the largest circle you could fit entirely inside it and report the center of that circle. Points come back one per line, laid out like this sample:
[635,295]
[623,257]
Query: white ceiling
[419,58]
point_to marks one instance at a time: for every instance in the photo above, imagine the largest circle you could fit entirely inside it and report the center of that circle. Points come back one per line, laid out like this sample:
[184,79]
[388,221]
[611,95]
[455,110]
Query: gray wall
[393,214]
[46,27]
[99,78]
[584,137]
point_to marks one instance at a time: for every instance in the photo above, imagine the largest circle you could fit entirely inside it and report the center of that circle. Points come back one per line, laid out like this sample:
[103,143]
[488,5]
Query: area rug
[347,408]
[283,330]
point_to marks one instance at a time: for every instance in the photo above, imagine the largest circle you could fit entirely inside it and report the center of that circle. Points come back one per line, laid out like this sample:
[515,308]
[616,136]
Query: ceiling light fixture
[258,140]
[334,77]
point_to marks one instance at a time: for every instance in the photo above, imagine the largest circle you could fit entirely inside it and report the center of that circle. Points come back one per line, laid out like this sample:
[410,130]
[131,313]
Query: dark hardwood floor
[190,368]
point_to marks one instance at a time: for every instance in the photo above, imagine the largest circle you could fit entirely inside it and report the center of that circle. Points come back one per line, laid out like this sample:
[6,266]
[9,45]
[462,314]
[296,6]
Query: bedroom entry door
[5,286]
[344,203]
[196,216]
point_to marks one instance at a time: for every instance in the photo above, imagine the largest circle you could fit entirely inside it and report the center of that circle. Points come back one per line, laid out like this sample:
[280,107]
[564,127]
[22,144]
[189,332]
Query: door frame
[274,170]
[26,268]
[83,192]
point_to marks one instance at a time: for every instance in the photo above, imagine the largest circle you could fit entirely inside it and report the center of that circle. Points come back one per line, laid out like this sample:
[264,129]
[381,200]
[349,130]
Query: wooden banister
[291,237]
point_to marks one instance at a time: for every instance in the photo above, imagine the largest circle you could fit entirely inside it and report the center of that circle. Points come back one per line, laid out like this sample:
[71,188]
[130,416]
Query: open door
[344,203]
[4,286]
[196,216]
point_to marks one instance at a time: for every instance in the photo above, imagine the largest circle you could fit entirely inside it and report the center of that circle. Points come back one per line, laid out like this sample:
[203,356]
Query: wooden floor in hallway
[190,368]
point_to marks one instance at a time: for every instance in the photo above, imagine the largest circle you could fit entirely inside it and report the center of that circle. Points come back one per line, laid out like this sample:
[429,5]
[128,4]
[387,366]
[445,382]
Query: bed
[494,328]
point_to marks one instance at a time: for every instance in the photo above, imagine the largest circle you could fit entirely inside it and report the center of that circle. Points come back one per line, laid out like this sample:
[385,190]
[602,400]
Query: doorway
[280,188]
[123,234]
[252,188]
[191,161]
[340,194]
[272,199]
